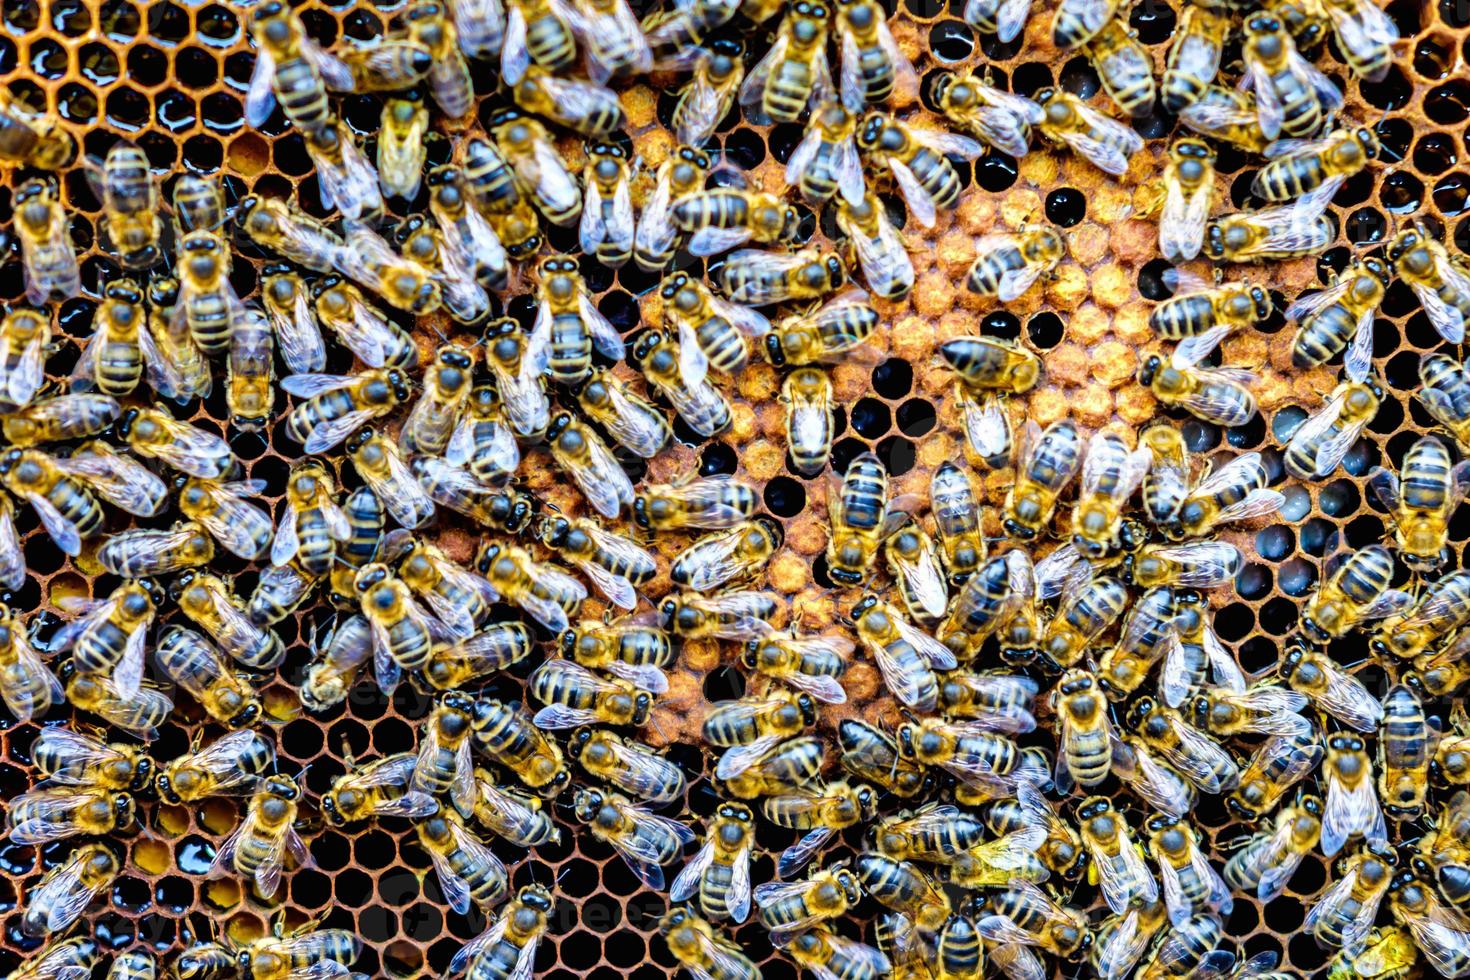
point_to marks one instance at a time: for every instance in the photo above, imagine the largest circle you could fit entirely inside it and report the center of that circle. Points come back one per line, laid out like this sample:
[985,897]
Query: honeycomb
[172,78]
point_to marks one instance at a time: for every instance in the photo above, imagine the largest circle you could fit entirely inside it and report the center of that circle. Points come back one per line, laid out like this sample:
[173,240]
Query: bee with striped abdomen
[613,563]
[1441,282]
[1292,96]
[431,24]
[401,147]
[67,890]
[1271,856]
[1341,318]
[383,469]
[794,71]
[916,157]
[1404,749]
[132,225]
[584,107]
[568,325]
[1420,499]
[1366,35]
[290,69]
[1353,807]
[492,187]
[1218,395]
[681,174]
[336,406]
[1110,475]
[32,140]
[644,840]
[701,951]
[258,848]
[271,223]
[1356,592]
[1100,140]
[606,228]
[712,330]
[1125,68]
[1194,57]
[1117,863]
[709,95]
[528,149]
[536,31]
[47,255]
[1046,463]
[999,119]
[1189,193]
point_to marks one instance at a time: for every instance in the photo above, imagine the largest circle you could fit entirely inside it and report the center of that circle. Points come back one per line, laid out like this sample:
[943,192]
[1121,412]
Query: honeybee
[1218,395]
[612,563]
[1441,283]
[568,325]
[987,763]
[229,766]
[833,329]
[402,633]
[493,188]
[1281,762]
[192,662]
[1356,592]
[528,148]
[712,330]
[826,159]
[542,590]
[1341,317]
[631,420]
[69,959]
[906,657]
[140,713]
[1009,264]
[283,228]
[1440,932]
[512,815]
[1191,885]
[1343,917]
[507,949]
[401,148]
[391,64]
[509,737]
[582,454]
[936,833]
[1332,690]
[110,636]
[1194,754]
[68,889]
[184,447]
[957,518]
[1123,939]
[1387,954]
[1154,780]
[1083,615]
[536,31]
[47,255]
[429,22]
[400,280]
[371,337]
[663,362]
[443,763]
[1194,57]
[53,813]
[208,601]
[1046,462]
[451,487]
[199,204]
[991,599]
[991,364]
[681,174]
[520,389]
[1125,67]
[862,519]
[872,65]
[1315,168]
[311,522]
[1023,915]
[24,337]
[999,119]
[1234,492]
[914,563]
[290,69]
[132,222]
[250,394]
[1352,800]
[874,756]
[606,228]
[1270,234]
[385,473]
[635,652]
[701,951]
[794,72]
[788,766]
[1084,733]
[830,956]
[303,952]
[706,503]
[1117,863]
[468,872]
[810,664]
[1268,860]
[27,685]
[1189,191]
[336,405]
[644,840]
[1403,754]
[258,847]
[732,616]
[587,108]
[917,159]
[1421,504]
[720,219]
[1444,391]
[116,478]
[478,655]
[1292,96]
[12,558]
[470,242]
[877,246]
[1437,612]
[1100,140]
[380,788]
[60,418]
[1319,444]
[461,294]
[575,696]
[1110,475]
[706,99]
[1261,709]
[789,908]
[279,592]
[628,766]
[820,811]
[30,140]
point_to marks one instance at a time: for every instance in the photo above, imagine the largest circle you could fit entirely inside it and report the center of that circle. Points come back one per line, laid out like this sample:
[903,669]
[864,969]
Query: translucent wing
[1351,811]
[921,205]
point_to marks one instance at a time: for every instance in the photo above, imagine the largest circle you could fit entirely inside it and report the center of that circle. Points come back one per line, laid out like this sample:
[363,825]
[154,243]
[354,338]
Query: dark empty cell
[844,451]
[361,25]
[1066,206]
[1407,16]
[1030,78]
[392,735]
[1361,458]
[625,949]
[997,50]
[217,25]
[310,888]
[76,103]
[1254,581]
[1200,437]
[22,16]
[1242,188]
[1390,417]
[1275,542]
[1297,576]
[871,418]
[167,22]
[1402,193]
[1045,330]
[1392,92]
[1454,13]
[783,139]
[620,309]
[1446,104]
[723,684]
[951,41]
[174,894]
[98,64]
[1435,153]
[127,109]
[238,69]
[1286,421]
[1154,22]
[1235,622]
[1363,531]
[1002,324]
[744,148]
[785,497]
[995,171]
[222,112]
[1433,57]
[320,26]
[1366,226]
[893,378]
[118,20]
[806,224]
[203,154]
[718,459]
[925,8]
[1248,435]
[176,111]
[1152,283]
[1080,78]
[1402,371]
[301,739]
[9,56]
[1419,332]
[1451,193]
[1256,654]
[916,417]
[376,924]
[48,59]
[132,895]
[897,454]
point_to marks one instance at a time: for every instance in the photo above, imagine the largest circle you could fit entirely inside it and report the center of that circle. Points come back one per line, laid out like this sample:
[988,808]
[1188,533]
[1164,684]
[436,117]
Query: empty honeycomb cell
[1254,581]
[951,40]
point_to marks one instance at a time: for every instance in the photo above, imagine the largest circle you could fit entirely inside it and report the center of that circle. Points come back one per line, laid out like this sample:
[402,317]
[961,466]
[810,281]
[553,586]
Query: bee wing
[773,892]
[311,385]
[1227,674]
[824,688]
[120,481]
[84,376]
[64,533]
[65,897]
[1123,948]
[921,205]
[128,675]
[1201,759]
[1338,901]
[650,776]
[693,363]
[1390,602]
[1269,112]
[1306,306]
[1064,568]
[1175,682]
[1003,931]
[1346,699]
[850,74]
[739,758]
[618,589]
[801,158]
[1349,811]
[30,371]
[1246,469]
[196,452]
[260,99]
[286,542]
[592,229]
[1330,454]
[937,654]
[620,230]
[713,241]
[604,335]
[327,436]
[1208,563]
[655,229]
[686,883]
[1441,936]
[1182,229]
[75,753]
[1447,319]
[638,427]
[1126,879]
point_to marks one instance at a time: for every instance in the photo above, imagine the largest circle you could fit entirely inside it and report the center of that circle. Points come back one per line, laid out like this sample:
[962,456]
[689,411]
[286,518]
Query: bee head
[790,223]
[646,343]
[1149,369]
[642,705]
[775,353]
[808,706]
[247,715]
[1369,142]
[1094,806]
[1139,712]
[1377,268]
[360,438]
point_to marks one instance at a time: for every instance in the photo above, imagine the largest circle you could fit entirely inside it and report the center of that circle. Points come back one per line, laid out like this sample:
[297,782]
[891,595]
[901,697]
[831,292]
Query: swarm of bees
[1055,700]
